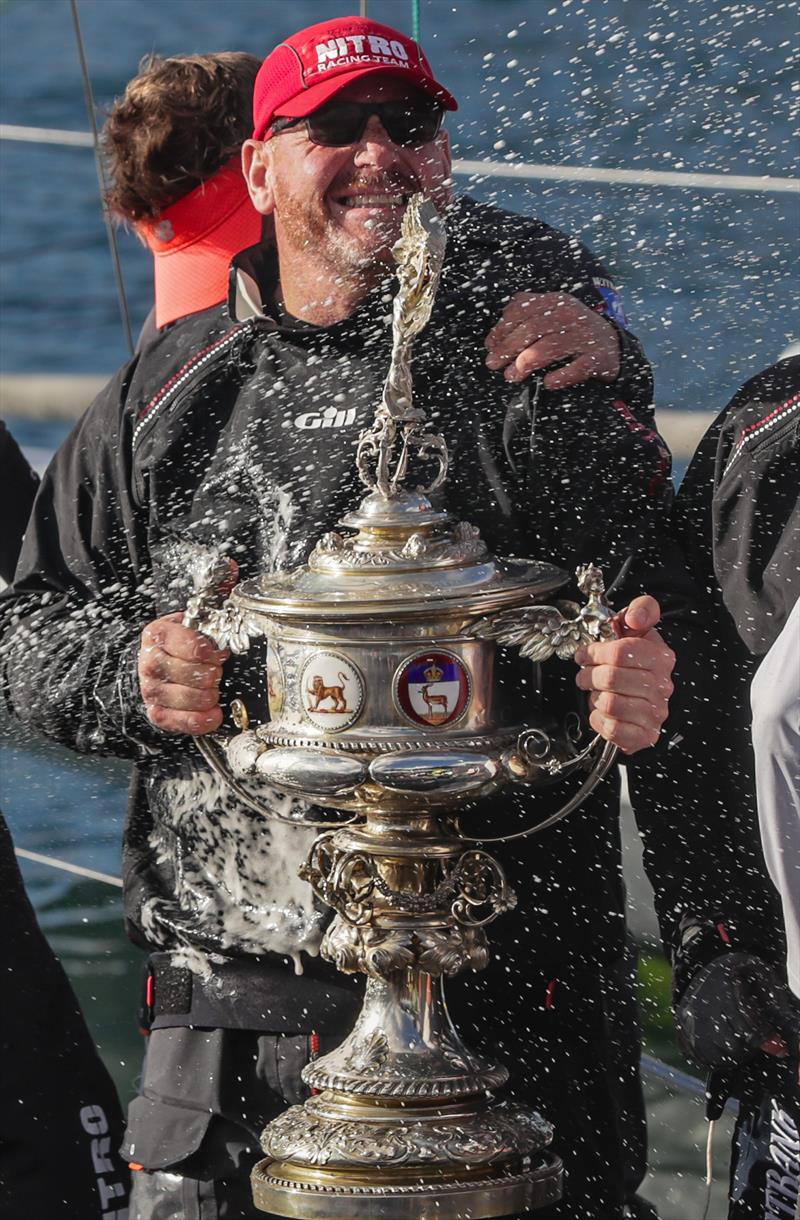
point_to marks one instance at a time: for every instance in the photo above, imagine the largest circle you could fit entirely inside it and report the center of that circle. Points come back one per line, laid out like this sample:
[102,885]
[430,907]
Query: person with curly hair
[172,144]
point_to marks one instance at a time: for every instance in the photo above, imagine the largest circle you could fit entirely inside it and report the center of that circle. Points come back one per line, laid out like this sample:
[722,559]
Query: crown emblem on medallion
[433,673]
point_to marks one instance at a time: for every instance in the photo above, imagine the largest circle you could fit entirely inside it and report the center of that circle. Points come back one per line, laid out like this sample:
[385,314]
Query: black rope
[101,178]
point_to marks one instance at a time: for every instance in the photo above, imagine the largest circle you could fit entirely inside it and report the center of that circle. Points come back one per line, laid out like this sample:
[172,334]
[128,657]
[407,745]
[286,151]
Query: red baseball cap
[312,66]
[194,240]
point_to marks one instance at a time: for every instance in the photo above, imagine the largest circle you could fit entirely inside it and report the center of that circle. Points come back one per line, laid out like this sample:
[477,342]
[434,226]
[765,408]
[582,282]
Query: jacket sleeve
[71,622]
[18,485]
[694,796]
[756,520]
[610,471]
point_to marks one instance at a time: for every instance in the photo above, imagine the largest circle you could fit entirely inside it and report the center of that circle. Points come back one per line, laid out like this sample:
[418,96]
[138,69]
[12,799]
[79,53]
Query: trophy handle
[606,754]
[210,612]
[540,632]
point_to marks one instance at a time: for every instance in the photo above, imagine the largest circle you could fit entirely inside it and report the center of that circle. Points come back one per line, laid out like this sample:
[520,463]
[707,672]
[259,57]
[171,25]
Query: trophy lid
[476,589]
[405,559]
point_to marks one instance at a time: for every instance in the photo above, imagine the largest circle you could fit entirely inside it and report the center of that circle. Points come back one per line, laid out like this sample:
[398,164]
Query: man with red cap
[352,59]
[245,446]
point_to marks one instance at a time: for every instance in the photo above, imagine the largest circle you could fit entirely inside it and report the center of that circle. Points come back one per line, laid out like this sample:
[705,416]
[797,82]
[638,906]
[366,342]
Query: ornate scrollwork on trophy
[349,880]
[368,1053]
[380,952]
[305,1132]
[446,951]
[537,749]
[368,1066]
[385,1058]
[463,546]
[473,890]
[483,892]
[227,626]
[213,575]
[342,879]
[419,255]
[539,632]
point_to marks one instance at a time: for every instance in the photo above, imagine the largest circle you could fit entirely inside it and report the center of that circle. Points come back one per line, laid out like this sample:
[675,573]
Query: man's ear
[257,173]
[444,136]
[443,148]
[443,185]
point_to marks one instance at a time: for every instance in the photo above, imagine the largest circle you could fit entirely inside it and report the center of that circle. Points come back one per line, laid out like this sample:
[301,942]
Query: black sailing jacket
[736,519]
[756,506]
[18,485]
[736,522]
[242,434]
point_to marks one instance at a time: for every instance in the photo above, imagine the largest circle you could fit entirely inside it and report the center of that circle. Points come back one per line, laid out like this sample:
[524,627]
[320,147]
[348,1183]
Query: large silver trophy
[382,700]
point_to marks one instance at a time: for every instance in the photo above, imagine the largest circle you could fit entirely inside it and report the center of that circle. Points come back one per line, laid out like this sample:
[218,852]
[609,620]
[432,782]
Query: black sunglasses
[343,123]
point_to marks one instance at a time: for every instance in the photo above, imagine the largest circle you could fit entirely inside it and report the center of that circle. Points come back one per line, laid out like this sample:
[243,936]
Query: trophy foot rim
[484,1199]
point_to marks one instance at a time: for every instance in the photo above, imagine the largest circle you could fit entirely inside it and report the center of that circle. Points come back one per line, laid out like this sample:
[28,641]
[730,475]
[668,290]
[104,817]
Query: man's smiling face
[342,207]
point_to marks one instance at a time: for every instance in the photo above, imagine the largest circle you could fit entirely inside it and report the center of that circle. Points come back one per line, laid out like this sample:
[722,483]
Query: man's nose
[375,146]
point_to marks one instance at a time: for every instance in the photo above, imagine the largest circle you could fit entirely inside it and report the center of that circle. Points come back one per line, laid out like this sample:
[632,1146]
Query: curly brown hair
[178,121]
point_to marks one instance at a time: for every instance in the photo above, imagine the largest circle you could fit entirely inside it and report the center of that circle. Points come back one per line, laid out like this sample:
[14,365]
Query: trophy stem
[404,1044]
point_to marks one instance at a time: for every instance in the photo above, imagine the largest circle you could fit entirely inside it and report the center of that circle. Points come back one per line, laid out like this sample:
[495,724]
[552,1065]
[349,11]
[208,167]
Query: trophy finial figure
[419,254]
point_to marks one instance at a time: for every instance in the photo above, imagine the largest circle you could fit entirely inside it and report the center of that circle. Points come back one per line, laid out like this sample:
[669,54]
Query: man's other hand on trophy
[179,675]
[628,678]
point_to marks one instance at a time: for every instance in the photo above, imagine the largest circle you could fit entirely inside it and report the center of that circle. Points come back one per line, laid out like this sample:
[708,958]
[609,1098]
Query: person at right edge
[738,520]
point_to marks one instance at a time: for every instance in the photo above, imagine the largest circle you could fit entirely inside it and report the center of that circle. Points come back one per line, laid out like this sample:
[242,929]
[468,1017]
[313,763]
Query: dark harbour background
[709,281]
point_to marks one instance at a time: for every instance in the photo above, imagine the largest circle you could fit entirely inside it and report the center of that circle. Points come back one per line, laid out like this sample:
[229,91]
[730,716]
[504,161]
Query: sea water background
[709,280]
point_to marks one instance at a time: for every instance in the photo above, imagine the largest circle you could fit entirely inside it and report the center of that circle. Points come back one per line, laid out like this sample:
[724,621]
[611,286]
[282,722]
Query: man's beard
[308,225]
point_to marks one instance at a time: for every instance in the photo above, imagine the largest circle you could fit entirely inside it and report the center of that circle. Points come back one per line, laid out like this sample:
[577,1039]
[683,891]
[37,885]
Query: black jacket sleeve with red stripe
[81,590]
[736,522]
[18,485]
[756,504]
[70,625]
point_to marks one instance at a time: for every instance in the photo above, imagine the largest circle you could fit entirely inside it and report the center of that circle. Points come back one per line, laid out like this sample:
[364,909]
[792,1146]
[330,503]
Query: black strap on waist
[250,995]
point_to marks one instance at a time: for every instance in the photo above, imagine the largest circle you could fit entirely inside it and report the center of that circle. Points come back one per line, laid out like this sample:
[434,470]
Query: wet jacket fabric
[60,1117]
[734,520]
[737,521]
[241,435]
[756,505]
[18,485]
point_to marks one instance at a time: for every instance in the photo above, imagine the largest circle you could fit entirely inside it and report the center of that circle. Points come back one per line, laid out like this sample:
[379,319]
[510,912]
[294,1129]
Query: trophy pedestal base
[538,1186]
[403,1124]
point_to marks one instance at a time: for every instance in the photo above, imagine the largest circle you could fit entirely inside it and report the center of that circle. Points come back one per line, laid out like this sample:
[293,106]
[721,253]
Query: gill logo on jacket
[331,417]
